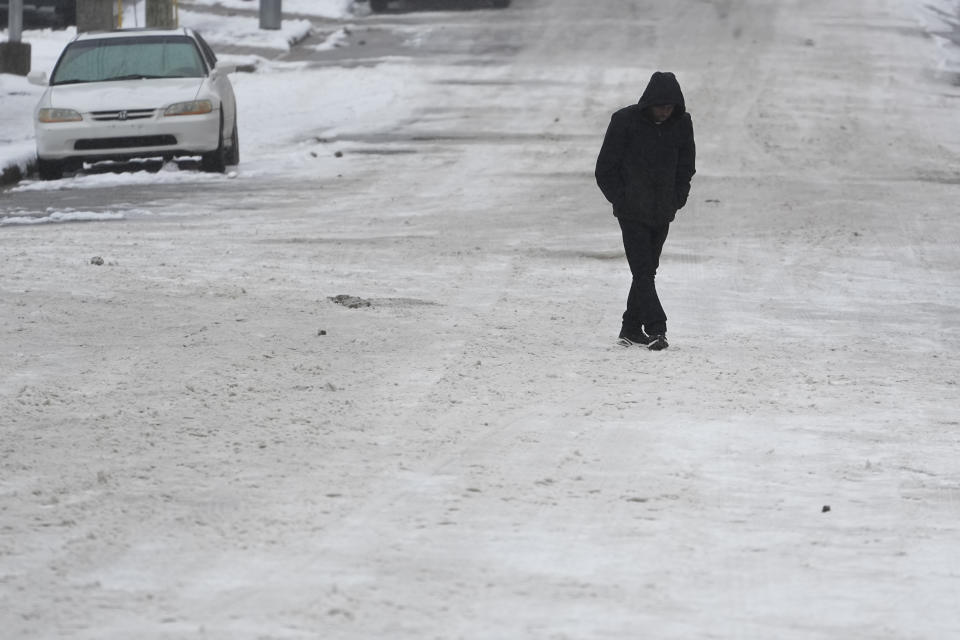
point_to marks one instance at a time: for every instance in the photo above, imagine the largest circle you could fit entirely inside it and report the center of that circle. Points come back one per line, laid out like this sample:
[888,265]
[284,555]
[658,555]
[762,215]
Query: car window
[127,59]
[207,50]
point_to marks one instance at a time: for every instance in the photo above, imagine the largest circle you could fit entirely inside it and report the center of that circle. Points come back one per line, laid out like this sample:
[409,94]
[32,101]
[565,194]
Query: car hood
[123,94]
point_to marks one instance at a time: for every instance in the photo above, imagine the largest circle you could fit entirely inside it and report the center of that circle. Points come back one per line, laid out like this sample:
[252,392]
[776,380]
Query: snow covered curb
[18,156]
[16,167]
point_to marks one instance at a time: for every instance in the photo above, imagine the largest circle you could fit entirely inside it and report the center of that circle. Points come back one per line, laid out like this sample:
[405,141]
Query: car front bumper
[157,135]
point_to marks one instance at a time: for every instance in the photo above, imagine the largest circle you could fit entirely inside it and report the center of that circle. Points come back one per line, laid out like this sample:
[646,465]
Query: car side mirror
[222,68]
[38,78]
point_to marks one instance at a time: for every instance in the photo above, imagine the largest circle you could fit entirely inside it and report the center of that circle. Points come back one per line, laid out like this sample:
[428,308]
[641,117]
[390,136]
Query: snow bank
[319,8]
[67,215]
[229,30]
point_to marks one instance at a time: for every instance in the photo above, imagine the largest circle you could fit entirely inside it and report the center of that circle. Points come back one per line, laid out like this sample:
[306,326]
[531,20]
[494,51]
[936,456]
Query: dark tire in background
[49,169]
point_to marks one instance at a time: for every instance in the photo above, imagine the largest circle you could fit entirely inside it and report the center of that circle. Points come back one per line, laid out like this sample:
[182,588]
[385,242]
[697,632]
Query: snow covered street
[197,442]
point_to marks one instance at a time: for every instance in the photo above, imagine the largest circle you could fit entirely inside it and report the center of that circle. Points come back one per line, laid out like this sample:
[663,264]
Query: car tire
[49,169]
[233,157]
[378,6]
[216,160]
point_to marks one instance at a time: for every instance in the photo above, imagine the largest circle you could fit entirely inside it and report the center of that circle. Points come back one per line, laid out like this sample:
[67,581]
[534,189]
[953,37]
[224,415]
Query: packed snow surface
[365,386]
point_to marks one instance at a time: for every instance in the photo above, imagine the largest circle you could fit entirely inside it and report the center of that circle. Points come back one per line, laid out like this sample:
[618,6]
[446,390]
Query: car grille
[122,114]
[128,142]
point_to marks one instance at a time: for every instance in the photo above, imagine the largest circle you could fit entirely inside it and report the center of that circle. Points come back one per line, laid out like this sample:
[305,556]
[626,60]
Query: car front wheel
[233,158]
[216,160]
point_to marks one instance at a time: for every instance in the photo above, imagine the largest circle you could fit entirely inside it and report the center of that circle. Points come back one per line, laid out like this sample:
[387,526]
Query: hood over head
[663,88]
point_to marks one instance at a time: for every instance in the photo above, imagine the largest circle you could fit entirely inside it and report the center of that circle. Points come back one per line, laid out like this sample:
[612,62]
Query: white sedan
[136,94]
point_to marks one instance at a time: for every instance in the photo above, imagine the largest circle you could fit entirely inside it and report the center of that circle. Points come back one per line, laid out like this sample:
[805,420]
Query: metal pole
[15,55]
[271,14]
[15,20]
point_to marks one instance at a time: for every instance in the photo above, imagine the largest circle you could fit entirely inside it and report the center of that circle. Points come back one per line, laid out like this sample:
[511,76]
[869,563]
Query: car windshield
[128,59]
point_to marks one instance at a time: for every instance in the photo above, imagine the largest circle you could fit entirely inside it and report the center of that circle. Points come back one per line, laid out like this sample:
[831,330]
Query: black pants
[643,245]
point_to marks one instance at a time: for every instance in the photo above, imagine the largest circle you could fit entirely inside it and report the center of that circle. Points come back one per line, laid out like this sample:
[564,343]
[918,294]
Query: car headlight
[58,115]
[193,108]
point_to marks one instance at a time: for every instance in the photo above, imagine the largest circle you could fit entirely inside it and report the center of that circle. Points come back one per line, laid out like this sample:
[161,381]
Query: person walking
[646,162]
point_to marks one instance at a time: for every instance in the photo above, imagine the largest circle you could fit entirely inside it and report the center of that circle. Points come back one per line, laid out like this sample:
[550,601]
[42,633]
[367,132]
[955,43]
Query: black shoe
[658,342]
[631,339]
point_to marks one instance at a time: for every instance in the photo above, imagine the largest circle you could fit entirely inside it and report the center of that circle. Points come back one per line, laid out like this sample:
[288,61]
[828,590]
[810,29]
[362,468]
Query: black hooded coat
[644,168]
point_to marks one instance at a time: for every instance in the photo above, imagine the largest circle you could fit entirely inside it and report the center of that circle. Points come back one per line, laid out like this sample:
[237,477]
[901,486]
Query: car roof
[127,33]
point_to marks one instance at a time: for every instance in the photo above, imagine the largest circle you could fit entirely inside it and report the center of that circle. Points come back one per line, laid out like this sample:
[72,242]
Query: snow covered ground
[197,442]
